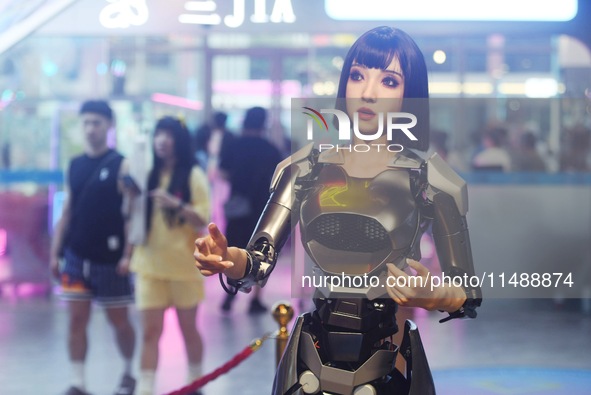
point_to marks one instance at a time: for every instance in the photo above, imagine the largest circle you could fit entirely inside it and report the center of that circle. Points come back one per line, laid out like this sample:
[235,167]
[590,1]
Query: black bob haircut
[376,49]
[100,107]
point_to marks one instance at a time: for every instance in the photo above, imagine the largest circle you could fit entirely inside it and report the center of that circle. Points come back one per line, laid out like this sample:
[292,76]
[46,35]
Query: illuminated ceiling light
[251,88]
[330,88]
[541,87]
[337,62]
[477,88]
[439,56]
[445,88]
[512,88]
[462,10]
[318,89]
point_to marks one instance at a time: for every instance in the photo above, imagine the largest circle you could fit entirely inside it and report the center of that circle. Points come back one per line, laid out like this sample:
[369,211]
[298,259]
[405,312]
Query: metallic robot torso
[353,226]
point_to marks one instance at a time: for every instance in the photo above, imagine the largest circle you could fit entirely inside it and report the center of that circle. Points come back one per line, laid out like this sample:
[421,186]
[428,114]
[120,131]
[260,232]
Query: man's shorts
[155,293]
[82,280]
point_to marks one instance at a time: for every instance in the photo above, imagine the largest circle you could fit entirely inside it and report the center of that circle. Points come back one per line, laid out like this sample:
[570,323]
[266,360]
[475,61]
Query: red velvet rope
[231,364]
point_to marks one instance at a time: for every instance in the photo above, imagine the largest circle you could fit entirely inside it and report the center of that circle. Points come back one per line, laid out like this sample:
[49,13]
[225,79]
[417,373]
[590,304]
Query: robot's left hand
[412,290]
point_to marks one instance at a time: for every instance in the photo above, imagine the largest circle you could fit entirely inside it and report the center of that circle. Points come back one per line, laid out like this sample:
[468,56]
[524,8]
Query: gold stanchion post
[282,313]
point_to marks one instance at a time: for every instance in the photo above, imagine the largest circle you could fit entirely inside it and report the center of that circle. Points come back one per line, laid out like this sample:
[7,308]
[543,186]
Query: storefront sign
[124,13]
[204,12]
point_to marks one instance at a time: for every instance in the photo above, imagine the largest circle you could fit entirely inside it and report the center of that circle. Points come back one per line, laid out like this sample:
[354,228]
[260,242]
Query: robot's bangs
[374,54]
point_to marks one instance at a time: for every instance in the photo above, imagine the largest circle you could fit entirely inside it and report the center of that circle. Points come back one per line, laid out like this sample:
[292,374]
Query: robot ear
[442,177]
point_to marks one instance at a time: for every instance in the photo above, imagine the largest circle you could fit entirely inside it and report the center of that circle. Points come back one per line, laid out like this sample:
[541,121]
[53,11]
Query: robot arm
[275,224]
[448,195]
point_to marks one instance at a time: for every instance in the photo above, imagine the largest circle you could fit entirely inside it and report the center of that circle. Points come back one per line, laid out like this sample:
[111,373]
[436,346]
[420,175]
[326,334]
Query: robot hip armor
[302,369]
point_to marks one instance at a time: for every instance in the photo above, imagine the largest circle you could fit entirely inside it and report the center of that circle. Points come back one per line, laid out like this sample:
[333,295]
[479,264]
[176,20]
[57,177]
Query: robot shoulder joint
[301,157]
[443,178]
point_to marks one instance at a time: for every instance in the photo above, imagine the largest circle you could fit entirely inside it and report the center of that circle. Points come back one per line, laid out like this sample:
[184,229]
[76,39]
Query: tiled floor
[507,334]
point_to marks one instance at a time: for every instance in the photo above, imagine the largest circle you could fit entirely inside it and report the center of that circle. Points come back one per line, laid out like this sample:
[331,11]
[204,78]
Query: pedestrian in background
[248,162]
[90,238]
[177,206]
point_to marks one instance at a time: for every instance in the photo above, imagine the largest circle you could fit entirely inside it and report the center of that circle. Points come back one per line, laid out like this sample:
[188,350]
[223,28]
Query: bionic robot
[355,226]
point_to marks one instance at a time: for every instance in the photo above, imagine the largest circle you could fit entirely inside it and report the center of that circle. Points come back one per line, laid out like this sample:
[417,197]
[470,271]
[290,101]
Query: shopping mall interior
[520,67]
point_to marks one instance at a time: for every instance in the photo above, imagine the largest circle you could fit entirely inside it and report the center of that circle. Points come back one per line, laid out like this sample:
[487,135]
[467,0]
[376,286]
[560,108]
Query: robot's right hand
[211,252]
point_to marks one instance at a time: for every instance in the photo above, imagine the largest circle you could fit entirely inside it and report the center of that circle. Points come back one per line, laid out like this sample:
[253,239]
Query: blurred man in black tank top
[90,238]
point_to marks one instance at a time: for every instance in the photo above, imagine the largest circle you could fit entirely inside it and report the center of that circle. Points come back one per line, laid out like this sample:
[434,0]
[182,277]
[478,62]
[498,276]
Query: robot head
[376,49]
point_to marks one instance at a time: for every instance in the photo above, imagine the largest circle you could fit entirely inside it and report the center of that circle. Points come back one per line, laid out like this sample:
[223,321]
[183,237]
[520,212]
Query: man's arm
[59,235]
[126,210]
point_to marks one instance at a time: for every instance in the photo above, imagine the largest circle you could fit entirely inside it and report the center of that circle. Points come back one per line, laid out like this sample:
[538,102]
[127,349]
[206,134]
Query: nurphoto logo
[395,122]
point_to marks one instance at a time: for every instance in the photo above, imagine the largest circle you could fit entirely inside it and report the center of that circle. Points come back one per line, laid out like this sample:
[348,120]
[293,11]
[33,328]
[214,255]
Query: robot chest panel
[372,217]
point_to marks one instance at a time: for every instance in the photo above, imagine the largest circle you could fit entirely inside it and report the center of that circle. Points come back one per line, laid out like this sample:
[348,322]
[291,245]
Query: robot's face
[371,91]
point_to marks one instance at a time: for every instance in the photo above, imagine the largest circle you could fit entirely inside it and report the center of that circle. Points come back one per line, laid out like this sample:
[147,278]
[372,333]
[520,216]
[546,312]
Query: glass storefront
[45,78]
